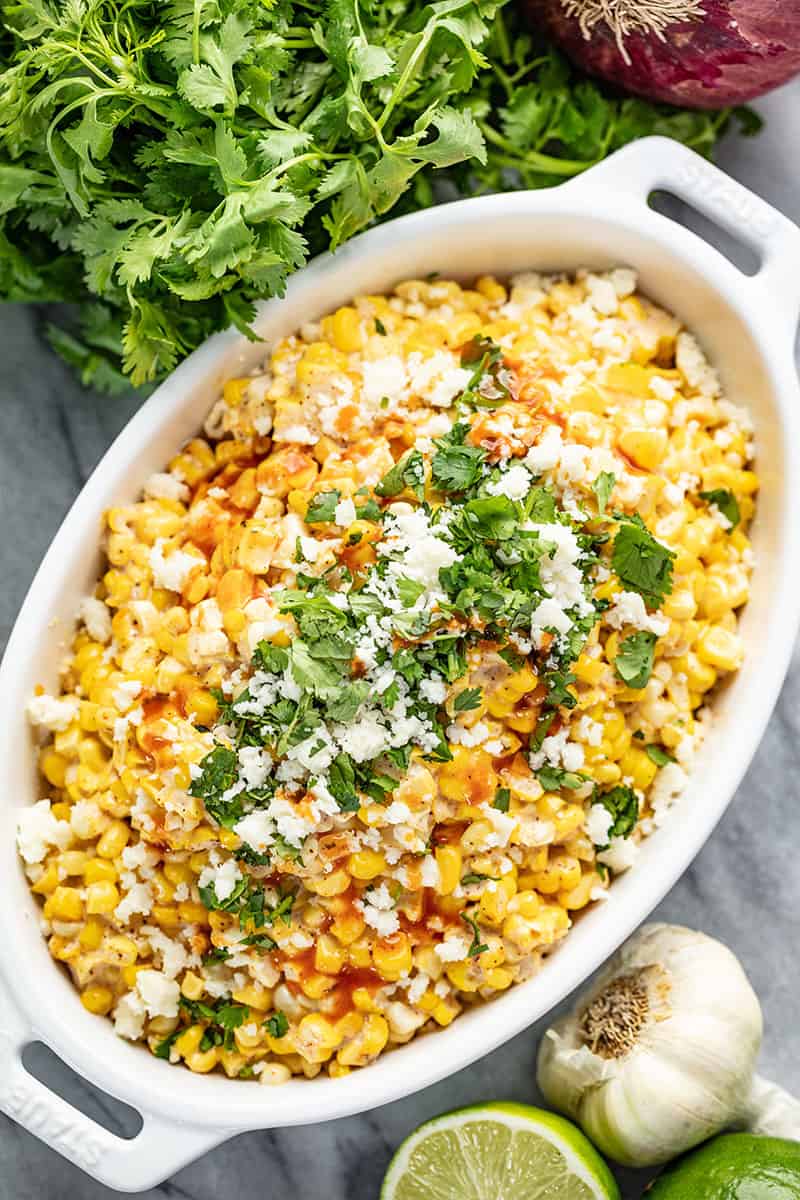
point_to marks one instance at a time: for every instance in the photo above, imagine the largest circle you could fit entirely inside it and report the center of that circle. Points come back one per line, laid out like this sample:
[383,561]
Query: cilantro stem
[546,163]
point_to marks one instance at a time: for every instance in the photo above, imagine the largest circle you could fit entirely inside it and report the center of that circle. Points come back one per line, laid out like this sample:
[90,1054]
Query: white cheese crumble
[377,906]
[598,822]
[138,899]
[163,486]
[171,572]
[515,483]
[345,512]
[415,550]
[694,366]
[547,451]
[158,994]
[37,829]
[620,855]
[52,712]
[629,609]
[222,878]
[97,619]
[454,948]
[129,1016]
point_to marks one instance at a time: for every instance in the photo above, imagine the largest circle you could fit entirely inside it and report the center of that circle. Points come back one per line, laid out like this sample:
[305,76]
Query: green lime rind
[498,1149]
[733,1166]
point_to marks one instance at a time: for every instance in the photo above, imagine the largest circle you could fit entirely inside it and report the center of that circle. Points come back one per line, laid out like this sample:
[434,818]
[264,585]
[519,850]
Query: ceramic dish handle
[128,1164]
[659,162]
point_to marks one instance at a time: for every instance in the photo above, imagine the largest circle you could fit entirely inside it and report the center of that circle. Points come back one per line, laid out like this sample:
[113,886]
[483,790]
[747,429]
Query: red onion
[699,53]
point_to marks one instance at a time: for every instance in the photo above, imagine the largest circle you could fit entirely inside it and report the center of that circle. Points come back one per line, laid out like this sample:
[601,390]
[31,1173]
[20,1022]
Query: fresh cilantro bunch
[168,163]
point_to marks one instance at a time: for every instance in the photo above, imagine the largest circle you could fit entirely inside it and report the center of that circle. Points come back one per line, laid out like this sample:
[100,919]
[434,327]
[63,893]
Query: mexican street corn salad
[390,672]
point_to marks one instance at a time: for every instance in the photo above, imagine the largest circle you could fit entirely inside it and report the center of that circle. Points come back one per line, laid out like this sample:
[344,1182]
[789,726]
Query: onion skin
[735,51]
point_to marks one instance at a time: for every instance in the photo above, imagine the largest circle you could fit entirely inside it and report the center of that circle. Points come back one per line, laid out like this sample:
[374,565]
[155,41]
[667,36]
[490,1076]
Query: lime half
[734,1166]
[498,1152]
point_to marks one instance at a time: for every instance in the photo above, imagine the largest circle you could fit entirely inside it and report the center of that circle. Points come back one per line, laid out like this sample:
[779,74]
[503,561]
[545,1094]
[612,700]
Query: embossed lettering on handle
[658,162]
[33,1107]
[160,1148]
[725,199]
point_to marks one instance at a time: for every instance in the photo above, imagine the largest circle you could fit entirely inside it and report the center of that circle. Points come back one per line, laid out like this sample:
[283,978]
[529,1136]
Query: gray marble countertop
[744,887]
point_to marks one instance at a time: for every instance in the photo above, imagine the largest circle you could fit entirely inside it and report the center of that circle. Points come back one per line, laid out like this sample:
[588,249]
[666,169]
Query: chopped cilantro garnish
[407,472]
[558,684]
[368,511]
[512,657]
[277,1025]
[477,946]
[725,501]
[260,941]
[380,327]
[163,1049]
[553,778]
[658,755]
[502,799]
[455,466]
[231,903]
[623,805]
[540,506]
[602,487]
[475,877]
[220,1020]
[217,954]
[342,783]
[408,590]
[468,699]
[641,562]
[634,661]
[219,772]
[493,518]
[489,385]
[322,508]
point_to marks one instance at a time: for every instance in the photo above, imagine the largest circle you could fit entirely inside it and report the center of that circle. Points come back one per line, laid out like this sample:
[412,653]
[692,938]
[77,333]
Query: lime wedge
[498,1152]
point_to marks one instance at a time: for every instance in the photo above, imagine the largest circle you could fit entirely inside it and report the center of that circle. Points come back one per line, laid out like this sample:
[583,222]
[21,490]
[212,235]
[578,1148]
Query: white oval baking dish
[747,326]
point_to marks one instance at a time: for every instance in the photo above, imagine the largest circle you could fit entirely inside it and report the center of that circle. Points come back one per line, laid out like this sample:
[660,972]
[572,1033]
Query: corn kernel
[720,648]
[114,840]
[64,904]
[366,864]
[97,1000]
[101,897]
[448,859]
[91,935]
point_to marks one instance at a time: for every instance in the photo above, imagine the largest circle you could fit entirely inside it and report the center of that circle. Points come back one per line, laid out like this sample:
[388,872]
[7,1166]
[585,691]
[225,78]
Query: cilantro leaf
[408,472]
[623,805]
[277,1024]
[658,755]
[322,508]
[602,487]
[468,699]
[502,799]
[492,517]
[455,466]
[725,501]
[476,946]
[408,590]
[553,778]
[642,563]
[342,783]
[634,661]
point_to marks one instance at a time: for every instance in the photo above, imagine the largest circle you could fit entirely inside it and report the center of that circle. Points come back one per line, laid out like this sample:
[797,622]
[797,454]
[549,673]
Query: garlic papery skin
[659,1054]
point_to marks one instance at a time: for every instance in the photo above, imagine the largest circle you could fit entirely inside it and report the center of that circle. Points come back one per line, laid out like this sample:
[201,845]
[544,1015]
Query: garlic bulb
[659,1054]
